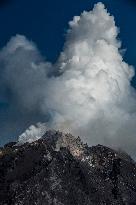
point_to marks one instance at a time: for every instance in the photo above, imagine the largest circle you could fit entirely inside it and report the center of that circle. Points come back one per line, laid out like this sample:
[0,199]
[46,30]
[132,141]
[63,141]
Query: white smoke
[33,133]
[24,71]
[92,94]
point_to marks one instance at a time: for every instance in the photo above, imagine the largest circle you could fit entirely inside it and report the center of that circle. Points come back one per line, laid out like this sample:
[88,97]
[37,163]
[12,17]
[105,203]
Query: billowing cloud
[22,85]
[24,71]
[91,94]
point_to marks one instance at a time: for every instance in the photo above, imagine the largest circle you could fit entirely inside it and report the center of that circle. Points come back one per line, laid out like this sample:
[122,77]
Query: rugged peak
[58,169]
[60,140]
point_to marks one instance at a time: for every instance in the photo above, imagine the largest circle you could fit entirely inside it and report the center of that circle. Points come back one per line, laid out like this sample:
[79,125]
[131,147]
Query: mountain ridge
[58,169]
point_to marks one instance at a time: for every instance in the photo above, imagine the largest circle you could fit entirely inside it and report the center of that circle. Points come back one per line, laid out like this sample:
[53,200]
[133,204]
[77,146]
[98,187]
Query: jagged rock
[59,169]
[10,144]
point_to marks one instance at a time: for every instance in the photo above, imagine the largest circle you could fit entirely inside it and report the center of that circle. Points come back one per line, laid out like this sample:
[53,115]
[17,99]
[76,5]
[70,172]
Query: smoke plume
[87,91]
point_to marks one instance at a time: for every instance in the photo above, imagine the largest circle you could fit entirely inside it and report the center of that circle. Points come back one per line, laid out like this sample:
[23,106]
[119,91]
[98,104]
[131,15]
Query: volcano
[58,169]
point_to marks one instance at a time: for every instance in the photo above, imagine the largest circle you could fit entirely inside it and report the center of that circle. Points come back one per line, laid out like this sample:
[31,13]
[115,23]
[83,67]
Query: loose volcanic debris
[59,169]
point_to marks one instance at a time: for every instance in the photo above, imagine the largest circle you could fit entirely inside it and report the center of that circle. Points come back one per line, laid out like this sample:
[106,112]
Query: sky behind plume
[43,26]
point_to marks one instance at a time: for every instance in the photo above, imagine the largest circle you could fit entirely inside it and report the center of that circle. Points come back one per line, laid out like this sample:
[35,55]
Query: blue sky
[45,22]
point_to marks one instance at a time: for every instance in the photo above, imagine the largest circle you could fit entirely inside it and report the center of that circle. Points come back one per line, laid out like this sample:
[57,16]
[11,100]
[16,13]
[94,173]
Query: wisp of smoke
[91,95]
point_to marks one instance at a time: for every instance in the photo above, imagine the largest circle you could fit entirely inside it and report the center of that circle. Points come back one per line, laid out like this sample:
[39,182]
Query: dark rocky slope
[59,170]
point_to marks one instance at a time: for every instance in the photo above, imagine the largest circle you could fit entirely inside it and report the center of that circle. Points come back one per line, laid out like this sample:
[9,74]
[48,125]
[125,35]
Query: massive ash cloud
[86,92]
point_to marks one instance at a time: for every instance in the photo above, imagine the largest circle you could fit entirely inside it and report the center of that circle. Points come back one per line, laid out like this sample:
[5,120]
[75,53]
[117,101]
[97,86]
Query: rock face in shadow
[59,169]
